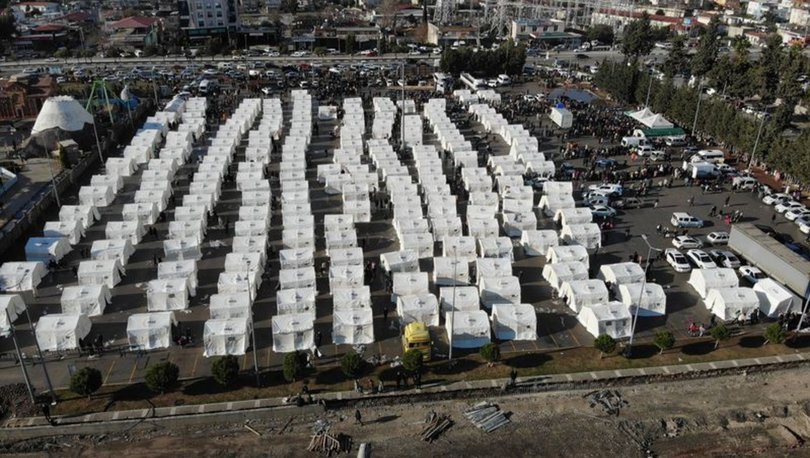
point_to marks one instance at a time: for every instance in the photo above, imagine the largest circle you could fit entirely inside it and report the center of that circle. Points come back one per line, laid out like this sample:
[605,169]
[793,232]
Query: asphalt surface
[557,325]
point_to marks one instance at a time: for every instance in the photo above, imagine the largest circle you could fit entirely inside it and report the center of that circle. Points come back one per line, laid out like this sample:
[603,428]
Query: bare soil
[762,414]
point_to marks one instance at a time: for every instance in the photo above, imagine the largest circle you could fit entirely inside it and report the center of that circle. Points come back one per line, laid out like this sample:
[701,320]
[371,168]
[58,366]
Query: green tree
[605,344]
[664,340]
[774,333]
[8,27]
[708,48]
[770,63]
[677,62]
[351,43]
[412,360]
[352,364]
[638,38]
[86,381]
[602,33]
[490,352]
[162,377]
[294,364]
[225,370]
[319,51]
[718,333]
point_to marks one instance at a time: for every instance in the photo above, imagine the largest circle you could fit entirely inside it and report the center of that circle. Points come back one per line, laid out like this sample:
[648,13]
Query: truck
[700,169]
[771,256]
[416,336]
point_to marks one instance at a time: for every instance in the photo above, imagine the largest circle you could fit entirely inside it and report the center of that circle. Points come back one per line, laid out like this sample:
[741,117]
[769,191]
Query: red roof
[135,22]
[79,16]
[49,28]
[36,3]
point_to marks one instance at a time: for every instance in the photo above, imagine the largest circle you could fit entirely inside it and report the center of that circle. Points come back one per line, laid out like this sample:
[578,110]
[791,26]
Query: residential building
[447,35]
[203,18]
[799,16]
[136,31]
[23,98]
[43,37]
[618,19]
[528,29]
[365,37]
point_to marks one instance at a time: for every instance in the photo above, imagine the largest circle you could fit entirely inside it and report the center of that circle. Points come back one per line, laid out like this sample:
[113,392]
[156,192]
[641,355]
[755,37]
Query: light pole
[801,318]
[756,142]
[697,110]
[13,335]
[39,354]
[253,327]
[453,310]
[649,89]
[629,350]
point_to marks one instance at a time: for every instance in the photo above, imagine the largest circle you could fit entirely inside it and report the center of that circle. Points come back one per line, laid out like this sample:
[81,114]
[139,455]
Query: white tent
[732,303]
[21,276]
[588,235]
[355,297]
[775,298]
[182,269]
[537,242]
[294,258]
[150,331]
[97,196]
[495,247]
[61,112]
[46,249]
[582,293]
[182,249]
[293,332]
[133,230]
[450,271]
[224,306]
[653,299]
[409,283]
[495,290]
[612,319]
[704,280]
[120,249]
[106,272]
[167,294]
[514,322]
[345,276]
[353,326]
[557,274]
[239,282]
[492,267]
[656,121]
[59,332]
[551,203]
[296,300]
[400,261]
[421,307]
[464,298]
[72,230]
[515,224]
[462,247]
[90,300]
[640,114]
[578,215]
[86,214]
[468,329]
[11,306]
[226,337]
[346,256]
[303,277]
[568,253]
[621,273]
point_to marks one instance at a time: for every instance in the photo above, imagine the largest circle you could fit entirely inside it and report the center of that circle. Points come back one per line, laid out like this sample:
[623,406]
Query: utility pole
[253,327]
[39,354]
[650,249]
[756,142]
[697,110]
[13,334]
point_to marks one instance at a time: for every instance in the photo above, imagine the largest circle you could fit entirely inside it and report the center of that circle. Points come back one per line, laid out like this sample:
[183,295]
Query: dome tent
[62,112]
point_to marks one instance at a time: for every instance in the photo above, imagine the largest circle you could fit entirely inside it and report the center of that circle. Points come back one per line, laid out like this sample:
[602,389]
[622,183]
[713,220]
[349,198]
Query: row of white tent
[724,297]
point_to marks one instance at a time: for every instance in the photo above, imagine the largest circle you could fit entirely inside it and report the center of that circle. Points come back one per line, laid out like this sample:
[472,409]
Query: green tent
[663,132]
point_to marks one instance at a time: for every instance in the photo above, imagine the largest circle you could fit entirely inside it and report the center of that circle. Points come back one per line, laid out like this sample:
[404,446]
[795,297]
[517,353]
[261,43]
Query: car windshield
[757,274]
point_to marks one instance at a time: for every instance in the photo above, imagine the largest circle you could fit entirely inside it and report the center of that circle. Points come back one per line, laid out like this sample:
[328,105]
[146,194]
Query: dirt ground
[742,415]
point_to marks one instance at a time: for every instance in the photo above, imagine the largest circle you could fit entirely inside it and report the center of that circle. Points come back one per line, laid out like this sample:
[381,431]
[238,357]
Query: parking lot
[557,325]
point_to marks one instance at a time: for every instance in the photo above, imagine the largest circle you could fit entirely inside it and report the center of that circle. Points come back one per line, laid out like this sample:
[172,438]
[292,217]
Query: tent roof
[62,112]
[654,132]
[640,114]
[656,121]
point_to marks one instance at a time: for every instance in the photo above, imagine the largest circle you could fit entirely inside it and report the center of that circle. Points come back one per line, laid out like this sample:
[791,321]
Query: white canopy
[297,300]
[11,306]
[551,203]
[640,114]
[578,215]
[653,299]
[150,331]
[557,274]
[612,319]
[167,294]
[62,112]
[418,308]
[293,332]
[450,271]
[514,322]
[181,269]
[118,249]
[492,267]
[732,303]
[704,280]
[621,273]
[464,298]
[355,297]
[295,258]
[568,253]
[409,284]
[224,306]
[775,299]
[537,242]
[87,300]
[468,329]
[588,235]
[226,337]
[353,326]
[106,272]
[400,261]
[72,230]
[496,290]
[46,249]
[59,332]
[582,293]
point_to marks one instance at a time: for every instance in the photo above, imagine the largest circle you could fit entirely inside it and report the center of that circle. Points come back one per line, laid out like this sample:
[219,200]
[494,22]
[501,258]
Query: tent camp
[296,300]
[107,272]
[732,303]
[621,273]
[578,215]
[468,329]
[183,269]
[150,331]
[355,297]
[409,284]
[90,300]
[550,204]
[611,318]
[226,337]
[537,242]
[167,294]
[120,249]
[418,308]
[73,230]
[588,235]
[495,247]
[568,253]
[557,274]
[653,299]
[495,290]
[704,280]
[226,306]
[345,277]
[492,267]
[514,322]
[46,249]
[60,332]
[462,298]
[303,277]
[293,332]
[582,293]
[21,276]
[400,261]
[11,306]
[353,326]
[451,271]
[775,299]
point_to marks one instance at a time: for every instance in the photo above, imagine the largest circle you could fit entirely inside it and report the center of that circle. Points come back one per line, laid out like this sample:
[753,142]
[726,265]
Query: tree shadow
[799,341]
[386,419]
[456,366]
[643,351]
[331,376]
[134,392]
[528,360]
[752,341]
[698,348]
[207,385]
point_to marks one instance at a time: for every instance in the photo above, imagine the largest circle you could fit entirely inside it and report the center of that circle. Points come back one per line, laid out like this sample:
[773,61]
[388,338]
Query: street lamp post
[13,335]
[453,310]
[253,328]
[39,354]
[649,89]
[756,142]
[697,110]
[801,318]
[650,249]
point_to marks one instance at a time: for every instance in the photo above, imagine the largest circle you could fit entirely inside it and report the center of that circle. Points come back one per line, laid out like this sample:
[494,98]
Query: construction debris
[610,401]
[487,416]
[325,443]
[435,425]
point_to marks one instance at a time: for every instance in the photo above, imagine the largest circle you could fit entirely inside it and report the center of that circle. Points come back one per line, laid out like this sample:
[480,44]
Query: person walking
[358,419]
[385,315]
[725,203]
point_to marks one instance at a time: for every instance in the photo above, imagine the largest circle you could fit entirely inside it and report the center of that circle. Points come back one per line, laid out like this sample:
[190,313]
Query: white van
[744,183]
[714,156]
[628,142]
[644,150]
[504,80]
[684,220]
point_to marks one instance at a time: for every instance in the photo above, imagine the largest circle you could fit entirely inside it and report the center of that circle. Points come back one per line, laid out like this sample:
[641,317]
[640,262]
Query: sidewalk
[348,396]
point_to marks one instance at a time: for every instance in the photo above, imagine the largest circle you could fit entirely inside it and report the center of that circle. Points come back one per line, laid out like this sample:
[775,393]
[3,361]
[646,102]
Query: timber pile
[435,426]
[486,416]
[324,443]
[610,401]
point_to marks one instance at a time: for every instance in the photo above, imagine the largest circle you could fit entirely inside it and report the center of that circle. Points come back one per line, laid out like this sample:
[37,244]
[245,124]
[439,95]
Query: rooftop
[135,22]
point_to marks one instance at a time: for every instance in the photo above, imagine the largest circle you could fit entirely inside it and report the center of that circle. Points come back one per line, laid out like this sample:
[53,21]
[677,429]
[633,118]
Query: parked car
[685,220]
[602,211]
[609,189]
[794,214]
[628,202]
[677,260]
[777,198]
[782,207]
[701,259]
[605,163]
[751,274]
[686,242]
[725,258]
[717,238]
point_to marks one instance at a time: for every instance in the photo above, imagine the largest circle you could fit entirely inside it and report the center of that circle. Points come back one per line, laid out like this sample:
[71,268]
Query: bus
[442,82]
[473,83]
